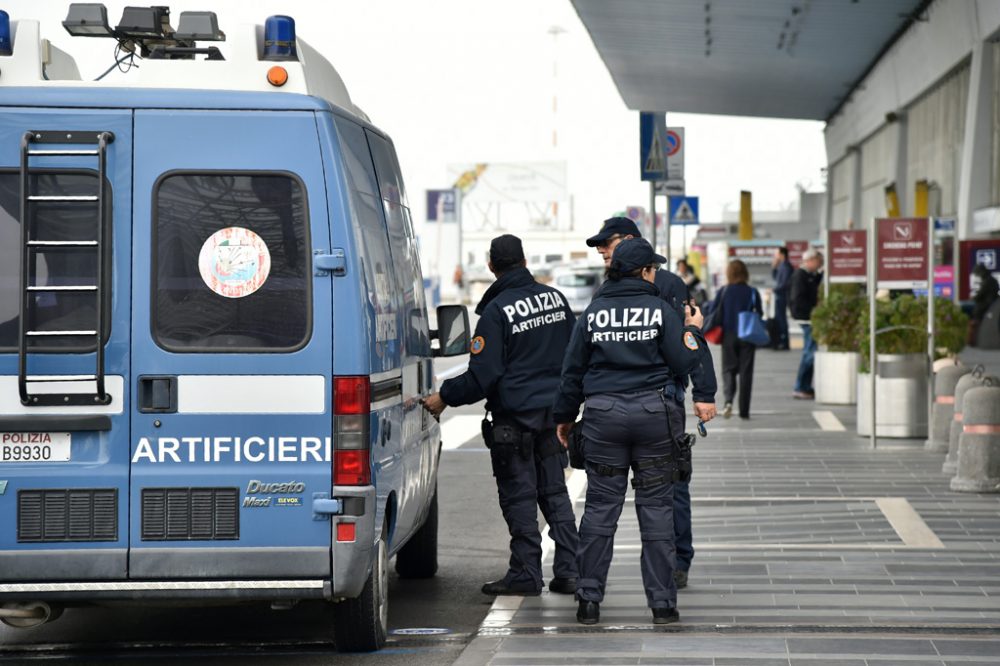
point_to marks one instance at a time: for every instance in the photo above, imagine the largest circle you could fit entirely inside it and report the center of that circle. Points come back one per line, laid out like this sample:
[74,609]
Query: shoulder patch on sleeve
[690,341]
[479,344]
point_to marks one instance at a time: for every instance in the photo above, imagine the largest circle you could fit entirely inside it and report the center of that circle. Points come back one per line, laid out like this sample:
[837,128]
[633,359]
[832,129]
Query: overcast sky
[457,81]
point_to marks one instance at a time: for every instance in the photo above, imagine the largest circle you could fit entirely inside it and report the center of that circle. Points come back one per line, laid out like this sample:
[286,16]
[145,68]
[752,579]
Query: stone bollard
[979,445]
[943,411]
[969,381]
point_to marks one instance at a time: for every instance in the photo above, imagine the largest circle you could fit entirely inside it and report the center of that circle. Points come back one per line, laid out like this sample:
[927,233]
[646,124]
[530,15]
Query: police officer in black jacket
[516,356]
[626,347]
[672,290]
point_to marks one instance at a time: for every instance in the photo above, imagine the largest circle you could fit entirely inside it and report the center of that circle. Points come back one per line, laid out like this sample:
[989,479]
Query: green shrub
[835,319]
[950,325]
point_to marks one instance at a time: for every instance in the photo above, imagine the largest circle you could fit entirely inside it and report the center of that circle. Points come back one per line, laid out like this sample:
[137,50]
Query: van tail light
[351,395]
[351,468]
[352,431]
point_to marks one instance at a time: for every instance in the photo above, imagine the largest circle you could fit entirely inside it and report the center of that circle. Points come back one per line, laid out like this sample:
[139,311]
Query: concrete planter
[835,377]
[901,394]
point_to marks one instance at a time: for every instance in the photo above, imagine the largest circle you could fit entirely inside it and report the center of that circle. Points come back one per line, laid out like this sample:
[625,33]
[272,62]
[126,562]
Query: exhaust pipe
[29,614]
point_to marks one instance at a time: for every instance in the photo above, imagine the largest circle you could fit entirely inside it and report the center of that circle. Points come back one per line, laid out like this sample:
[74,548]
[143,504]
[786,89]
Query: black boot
[588,612]
[562,585]
[502,587]
[665,615]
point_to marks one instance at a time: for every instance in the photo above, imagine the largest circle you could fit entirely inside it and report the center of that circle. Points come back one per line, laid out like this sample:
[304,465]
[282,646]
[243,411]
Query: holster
[676,463]
[487,429]
[508,438]
[682,454]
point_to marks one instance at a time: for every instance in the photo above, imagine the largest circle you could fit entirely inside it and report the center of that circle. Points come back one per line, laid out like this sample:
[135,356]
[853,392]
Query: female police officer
[624,348]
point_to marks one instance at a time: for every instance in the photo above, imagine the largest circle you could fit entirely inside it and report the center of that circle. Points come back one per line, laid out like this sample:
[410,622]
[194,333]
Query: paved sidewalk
[812,549]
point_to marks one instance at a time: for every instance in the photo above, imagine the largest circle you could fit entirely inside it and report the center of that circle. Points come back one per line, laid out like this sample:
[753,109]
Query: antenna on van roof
[148,29]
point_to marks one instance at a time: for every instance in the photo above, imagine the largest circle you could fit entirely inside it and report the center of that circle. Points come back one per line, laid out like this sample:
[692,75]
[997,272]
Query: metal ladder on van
[30,143]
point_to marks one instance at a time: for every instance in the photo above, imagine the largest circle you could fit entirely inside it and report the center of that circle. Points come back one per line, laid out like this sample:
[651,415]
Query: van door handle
[334,262]
[158,394]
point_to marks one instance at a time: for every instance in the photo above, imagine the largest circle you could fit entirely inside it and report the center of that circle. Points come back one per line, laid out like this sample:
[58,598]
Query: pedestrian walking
[781,271]
[523,329]
[737,356]
[804,294]
[696,291]
[674,291]
[626,347]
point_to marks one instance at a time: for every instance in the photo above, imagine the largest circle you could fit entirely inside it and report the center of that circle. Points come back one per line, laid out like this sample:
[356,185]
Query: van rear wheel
[418,558]
[361,624]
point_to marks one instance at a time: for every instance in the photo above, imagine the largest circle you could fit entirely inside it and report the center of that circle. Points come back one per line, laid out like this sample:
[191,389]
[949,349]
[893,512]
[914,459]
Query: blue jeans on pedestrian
[804,379]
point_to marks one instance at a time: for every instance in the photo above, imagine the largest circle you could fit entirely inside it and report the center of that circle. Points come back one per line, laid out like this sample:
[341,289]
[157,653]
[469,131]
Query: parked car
[578,284]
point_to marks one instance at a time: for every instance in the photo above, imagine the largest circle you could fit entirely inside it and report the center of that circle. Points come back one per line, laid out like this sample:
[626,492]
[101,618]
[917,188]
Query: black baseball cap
[612,226]
[505,252]
[633,253]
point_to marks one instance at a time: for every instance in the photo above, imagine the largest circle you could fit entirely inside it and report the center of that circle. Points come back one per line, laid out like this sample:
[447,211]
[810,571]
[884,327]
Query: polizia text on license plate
[34,447]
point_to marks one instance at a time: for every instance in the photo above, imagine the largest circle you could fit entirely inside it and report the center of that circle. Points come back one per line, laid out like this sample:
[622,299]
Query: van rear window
[230,263]
[52,266]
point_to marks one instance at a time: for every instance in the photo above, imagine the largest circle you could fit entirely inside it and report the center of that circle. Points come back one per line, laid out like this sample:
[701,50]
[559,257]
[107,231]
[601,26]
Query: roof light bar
[145,23]
[87,20]
[199,27]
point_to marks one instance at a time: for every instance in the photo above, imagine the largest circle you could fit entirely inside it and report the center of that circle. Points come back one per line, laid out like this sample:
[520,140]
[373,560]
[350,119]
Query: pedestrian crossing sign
[653,146]
[683,210]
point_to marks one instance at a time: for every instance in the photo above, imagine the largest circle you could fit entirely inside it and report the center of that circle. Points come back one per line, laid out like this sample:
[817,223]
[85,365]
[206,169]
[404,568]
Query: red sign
[848,256]
[902,253]
[795,251]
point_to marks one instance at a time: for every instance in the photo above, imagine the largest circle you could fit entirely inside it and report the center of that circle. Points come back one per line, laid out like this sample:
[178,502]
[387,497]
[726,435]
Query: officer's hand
[434,404]
[705,411]
[693,316]
[562,432]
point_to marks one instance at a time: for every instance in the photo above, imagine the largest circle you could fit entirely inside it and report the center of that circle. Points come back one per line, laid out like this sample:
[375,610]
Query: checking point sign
[848,256]
[902,252]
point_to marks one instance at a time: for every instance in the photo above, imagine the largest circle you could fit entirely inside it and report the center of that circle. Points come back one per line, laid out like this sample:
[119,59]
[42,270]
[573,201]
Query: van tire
[418,557]
[361,624]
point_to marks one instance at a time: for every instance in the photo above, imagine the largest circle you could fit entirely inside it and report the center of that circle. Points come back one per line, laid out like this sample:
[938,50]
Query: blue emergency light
[6,48]
[279,38]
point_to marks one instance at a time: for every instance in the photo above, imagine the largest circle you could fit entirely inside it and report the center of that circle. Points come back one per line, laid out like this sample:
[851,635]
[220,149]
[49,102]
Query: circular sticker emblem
[478,344]
[690,341]
[234,262]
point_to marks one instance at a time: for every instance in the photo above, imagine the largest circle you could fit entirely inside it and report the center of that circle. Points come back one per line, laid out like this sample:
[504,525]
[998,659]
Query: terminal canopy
[773,58]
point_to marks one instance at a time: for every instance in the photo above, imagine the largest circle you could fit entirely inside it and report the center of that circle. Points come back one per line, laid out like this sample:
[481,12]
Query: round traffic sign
[673,142]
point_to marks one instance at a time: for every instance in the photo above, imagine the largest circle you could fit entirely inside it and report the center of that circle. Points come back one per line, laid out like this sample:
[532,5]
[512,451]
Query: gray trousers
[622,431]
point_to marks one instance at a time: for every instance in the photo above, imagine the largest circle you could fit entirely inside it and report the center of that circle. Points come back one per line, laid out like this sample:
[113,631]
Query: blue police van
[213,335]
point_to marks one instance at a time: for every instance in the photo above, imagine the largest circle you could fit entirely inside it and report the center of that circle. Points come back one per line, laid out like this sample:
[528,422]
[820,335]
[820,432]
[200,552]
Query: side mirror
[453,330]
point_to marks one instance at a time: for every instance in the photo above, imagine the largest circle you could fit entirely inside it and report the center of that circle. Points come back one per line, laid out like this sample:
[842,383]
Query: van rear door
[232,347]
[64,442]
